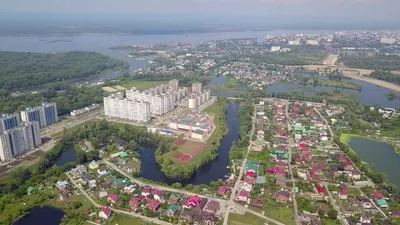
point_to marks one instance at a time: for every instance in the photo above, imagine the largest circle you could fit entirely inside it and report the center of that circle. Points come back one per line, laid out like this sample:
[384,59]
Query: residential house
[249,180]
[93,165]
[258,202]
[348,165]
[64,194]
[173,199]
[261,180]
[382,203]
[283,196]
[134,203]
[105,187]
[365,218]
[105,213]
[396,213]
[356,175]
[321,190]
[153,205]
[188,216]
[62,184]
[280,181]
[199,218]
[212,206]
[323,209]
[343,191]
[158,195]
[378,195]
[210,219]
[103,194]
[222,190]
[192,201]
[243,196]
[203,202]
[146,192]
[113,198]
[312,219]
[102,171]
[172,210]
[130,168]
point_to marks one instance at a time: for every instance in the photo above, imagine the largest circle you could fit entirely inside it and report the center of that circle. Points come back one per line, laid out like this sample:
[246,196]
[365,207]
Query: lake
[42,215]
[211,172]
[66,157]
[381,156]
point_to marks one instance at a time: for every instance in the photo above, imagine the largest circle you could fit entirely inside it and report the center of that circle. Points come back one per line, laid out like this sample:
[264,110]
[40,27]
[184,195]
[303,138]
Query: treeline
[184,79]
[379,179]
[67,98]
[24,69]
[246,122]
[377,62]
[185,171]
[386,76]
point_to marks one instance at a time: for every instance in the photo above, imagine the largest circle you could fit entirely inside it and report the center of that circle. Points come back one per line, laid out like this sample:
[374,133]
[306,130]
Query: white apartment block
[198,100]
[115,106]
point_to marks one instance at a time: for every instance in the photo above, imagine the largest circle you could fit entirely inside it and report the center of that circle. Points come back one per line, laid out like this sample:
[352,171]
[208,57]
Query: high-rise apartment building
[173,85]
[127,109]
[9,121]
[45,114]
[197,88]
[19,140]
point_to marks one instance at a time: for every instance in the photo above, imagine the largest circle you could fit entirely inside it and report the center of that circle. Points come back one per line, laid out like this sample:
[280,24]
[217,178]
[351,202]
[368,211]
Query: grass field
[246,219]
[141,85]
[189,147]
[128,220]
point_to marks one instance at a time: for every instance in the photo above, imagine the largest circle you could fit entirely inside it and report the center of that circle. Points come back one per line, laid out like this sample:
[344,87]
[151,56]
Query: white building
[127,109]
[199,99]
[294,42]
[19,140]
[46,114]
[197,88]
[275,48]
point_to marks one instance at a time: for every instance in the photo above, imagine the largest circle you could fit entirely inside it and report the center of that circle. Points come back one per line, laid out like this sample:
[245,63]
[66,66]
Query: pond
[381,156]
[66,157]
[217,169]
[42,215]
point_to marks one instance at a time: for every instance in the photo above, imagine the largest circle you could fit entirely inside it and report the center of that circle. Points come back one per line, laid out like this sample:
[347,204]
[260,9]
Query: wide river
[381,156]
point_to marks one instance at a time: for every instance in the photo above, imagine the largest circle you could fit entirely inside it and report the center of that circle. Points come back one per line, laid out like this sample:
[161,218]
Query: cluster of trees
[246,120]
[386,76]
[25,69]
[308,206]
[377,62]
[66,97]
[298,96]
[185,171]
[141,54]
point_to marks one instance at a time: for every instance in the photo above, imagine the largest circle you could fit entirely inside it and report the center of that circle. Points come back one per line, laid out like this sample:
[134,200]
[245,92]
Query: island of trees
[24,69]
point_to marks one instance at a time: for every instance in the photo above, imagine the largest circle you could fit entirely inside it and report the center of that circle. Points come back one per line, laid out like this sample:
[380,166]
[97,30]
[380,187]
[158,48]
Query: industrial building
[19,140]
[46,114]
[196,100]
[88,108]
[124,108]
[200,124]
[9,121]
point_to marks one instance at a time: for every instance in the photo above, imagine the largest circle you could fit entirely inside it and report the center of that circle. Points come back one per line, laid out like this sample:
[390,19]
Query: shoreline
[347,137]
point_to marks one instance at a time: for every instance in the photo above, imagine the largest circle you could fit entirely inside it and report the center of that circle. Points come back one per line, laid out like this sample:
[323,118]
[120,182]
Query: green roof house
[253,168]
[31,189]
[382,203]
[123,155]
[285,156]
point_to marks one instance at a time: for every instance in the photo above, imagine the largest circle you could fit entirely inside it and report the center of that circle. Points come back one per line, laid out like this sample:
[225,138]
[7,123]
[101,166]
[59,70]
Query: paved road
[290,144]
[336,207]
[153,220]
[326,122]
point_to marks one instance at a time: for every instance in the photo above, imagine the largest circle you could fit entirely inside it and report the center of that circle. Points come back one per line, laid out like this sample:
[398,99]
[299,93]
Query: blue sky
[382,10]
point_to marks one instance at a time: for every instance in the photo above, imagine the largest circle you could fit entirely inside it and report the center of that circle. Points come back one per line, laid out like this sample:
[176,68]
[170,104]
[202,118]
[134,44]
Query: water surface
[381,156]
[42,216]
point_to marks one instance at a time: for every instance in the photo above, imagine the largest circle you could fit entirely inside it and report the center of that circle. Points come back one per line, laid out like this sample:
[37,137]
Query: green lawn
[128,220]
[246,219]
[141,85]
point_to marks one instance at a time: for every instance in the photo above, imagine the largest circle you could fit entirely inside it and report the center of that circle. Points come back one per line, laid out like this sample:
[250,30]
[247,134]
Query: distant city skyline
[282,10]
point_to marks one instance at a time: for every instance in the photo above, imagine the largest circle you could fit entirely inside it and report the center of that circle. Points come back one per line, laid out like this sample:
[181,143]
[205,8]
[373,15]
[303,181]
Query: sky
[369,10]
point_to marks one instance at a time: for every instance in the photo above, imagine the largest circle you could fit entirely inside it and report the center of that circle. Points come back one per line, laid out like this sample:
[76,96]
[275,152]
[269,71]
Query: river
[381,156]
[217,169]
[42,215]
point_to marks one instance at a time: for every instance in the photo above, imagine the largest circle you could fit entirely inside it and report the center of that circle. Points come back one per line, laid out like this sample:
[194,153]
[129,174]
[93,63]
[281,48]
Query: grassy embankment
[230,86]
[335,83]
[245,219]
[346,138]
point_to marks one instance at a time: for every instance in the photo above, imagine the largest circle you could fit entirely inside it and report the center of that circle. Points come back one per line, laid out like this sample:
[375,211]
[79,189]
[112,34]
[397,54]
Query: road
[336,207]
[113,209]
[290,145]
[326,122]
[373,203]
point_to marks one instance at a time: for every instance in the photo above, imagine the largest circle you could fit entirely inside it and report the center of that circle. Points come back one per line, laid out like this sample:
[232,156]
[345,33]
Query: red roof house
[192,201]
[153,204]
[378,195]
[222,190]
[113,198]
[251,173]
[134,203]
[321,190]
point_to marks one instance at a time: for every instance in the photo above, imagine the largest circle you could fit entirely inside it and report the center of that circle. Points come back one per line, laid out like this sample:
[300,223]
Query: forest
[386,76]
[66,97]
[25,69]
[377,62]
